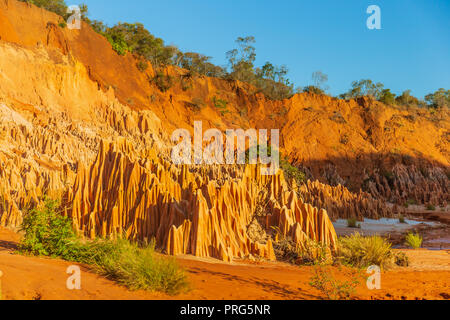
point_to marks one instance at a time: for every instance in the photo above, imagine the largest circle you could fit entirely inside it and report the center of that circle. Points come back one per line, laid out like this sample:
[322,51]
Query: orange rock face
[341,203]
[405,183]
[187,210]
[64,93]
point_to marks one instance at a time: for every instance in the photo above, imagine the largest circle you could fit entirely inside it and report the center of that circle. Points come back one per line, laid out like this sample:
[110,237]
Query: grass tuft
[361,252]
[310,252]
[48,233]
[401,259]
[333,289]
[353,223]
[413,240]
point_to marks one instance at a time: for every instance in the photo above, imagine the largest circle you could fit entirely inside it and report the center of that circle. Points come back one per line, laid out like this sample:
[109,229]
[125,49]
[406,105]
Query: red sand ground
[428,277]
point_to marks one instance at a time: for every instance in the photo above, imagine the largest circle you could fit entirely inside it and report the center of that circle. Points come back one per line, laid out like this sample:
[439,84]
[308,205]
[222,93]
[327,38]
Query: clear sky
[411,51]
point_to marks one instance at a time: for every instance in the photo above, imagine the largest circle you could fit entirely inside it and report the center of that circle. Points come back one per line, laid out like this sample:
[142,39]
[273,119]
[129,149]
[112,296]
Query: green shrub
[387,97]
[221,105]
[364,87]
[438,99]
[362,252]
[162,81]
[353,223]
[134,267]
[62,24]
[142,65]
[292,172]
[195,105]
[59,7]
[314,253]
[309,253]
[119,45]
[401,219]
[332,288]
[401,259]
[314,89]
[56,6]
[186,81]
[413,240]
[48,233]
[431,207]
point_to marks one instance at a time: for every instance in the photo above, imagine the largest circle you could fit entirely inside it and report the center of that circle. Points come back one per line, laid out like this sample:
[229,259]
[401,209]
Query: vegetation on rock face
[162,81]
[134,38]
[292,172]
[48,233]
[366,87]
[57,6]
[198,64]
[270,80]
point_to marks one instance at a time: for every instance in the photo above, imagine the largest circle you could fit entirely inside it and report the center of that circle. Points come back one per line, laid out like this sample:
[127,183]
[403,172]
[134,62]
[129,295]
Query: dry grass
[362,252]
[413,240]
[48,233]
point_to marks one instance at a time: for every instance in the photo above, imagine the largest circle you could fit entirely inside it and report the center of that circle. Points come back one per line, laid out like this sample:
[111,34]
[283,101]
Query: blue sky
[411,51]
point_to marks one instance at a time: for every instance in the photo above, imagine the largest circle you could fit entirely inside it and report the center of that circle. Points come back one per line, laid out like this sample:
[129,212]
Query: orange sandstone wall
[64,91]
[337,141]
[143,197]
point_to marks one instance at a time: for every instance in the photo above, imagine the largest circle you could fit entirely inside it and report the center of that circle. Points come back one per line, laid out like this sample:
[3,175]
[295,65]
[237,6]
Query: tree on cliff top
[439,99]
[364,87]
[56,6]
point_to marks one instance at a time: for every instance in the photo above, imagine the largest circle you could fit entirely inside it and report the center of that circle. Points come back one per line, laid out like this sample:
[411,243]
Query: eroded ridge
[341,203]
[140,196]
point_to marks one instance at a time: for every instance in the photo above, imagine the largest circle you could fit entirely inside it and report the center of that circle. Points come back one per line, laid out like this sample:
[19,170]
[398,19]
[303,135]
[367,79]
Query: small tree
[47,231]
[407,99]
[364,87]
[387,97]
[241,60]
[319,80]
[439,99]
[57,6]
